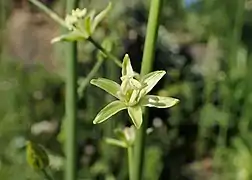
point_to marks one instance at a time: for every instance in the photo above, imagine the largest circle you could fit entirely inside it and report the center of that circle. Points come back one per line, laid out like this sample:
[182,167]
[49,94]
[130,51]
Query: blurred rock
[29,35]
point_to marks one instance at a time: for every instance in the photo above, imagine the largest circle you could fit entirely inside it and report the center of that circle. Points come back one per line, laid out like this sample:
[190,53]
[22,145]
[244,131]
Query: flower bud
[36,156]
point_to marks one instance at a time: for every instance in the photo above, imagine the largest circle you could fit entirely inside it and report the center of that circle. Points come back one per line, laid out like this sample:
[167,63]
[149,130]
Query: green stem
[47,176]
[2,25]
[131,163]
[49,12]
[91,74]
[71,103]
[108,54]
[149,49]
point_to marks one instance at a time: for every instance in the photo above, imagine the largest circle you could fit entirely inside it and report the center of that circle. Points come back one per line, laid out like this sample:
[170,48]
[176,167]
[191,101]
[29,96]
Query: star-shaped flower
[131,94]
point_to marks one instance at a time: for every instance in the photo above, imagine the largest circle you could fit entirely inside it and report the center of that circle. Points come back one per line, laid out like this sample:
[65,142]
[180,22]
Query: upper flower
[131,94]
[81,24]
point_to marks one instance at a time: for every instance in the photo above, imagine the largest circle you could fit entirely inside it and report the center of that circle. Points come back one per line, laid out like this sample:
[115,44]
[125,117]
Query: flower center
[130,90]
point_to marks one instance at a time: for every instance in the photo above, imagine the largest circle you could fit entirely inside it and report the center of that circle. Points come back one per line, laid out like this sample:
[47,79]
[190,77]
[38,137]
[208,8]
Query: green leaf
[110,110]
[127,69]
[107,85]
[72,36]
[151,79]
[158,101]
[116,142]
[135,113]
[99,17]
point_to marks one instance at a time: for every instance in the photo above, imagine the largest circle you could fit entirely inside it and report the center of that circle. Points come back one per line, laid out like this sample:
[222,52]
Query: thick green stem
[149,49]
[131,163]
[71,105]
[108,54]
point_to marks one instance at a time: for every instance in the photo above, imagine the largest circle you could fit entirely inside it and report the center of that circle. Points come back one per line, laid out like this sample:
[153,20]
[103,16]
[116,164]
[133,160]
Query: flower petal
[116,142]
[107,85]
[87,23]
[108,111]
[151,79]
[127,69]
[99,17]
[135,113]
[72,36]
[158,101]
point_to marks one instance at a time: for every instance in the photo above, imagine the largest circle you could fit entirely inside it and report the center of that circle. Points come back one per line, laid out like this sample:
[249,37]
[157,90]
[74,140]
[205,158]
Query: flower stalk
[148,55]
[131,163]
[71,104]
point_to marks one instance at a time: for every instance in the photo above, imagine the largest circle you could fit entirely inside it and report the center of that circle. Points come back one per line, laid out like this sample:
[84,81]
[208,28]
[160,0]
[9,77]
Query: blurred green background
[204,45]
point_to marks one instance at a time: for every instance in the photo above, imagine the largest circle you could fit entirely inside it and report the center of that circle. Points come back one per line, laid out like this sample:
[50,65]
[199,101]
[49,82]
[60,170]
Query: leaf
[151,79]
[110,110]
[135,113]
[107,85]
[99,17]
[116,142]
[158,101]
[126,66]
[72,36]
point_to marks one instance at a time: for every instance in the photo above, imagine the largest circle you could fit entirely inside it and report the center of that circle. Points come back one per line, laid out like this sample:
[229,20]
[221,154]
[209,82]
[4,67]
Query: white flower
[132,94]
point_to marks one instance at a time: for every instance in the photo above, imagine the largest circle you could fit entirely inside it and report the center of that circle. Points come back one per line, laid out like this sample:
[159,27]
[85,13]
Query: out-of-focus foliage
[205,47]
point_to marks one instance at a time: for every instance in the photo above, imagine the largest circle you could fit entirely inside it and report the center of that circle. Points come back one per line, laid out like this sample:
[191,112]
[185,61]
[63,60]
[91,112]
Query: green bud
[36,156]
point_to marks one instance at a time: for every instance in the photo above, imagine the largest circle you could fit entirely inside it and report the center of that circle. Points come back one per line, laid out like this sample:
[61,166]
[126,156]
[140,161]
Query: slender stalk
[47,176]
[91,74]
[149,49]
[71,105]
[110,56]
[131,163]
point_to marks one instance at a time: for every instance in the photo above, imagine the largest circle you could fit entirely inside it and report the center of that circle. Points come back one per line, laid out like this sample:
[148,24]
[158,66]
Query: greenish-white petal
[135,83]
[158,101]
[135,113]
[151,79]
[127,69]
[99,17]
[108,111]
[107,85]
[116,142]
[91,14]
[72,36]
[87,23]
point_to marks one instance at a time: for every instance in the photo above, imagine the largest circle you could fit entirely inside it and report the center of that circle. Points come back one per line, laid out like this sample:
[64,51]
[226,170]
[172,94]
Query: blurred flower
[81,24]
